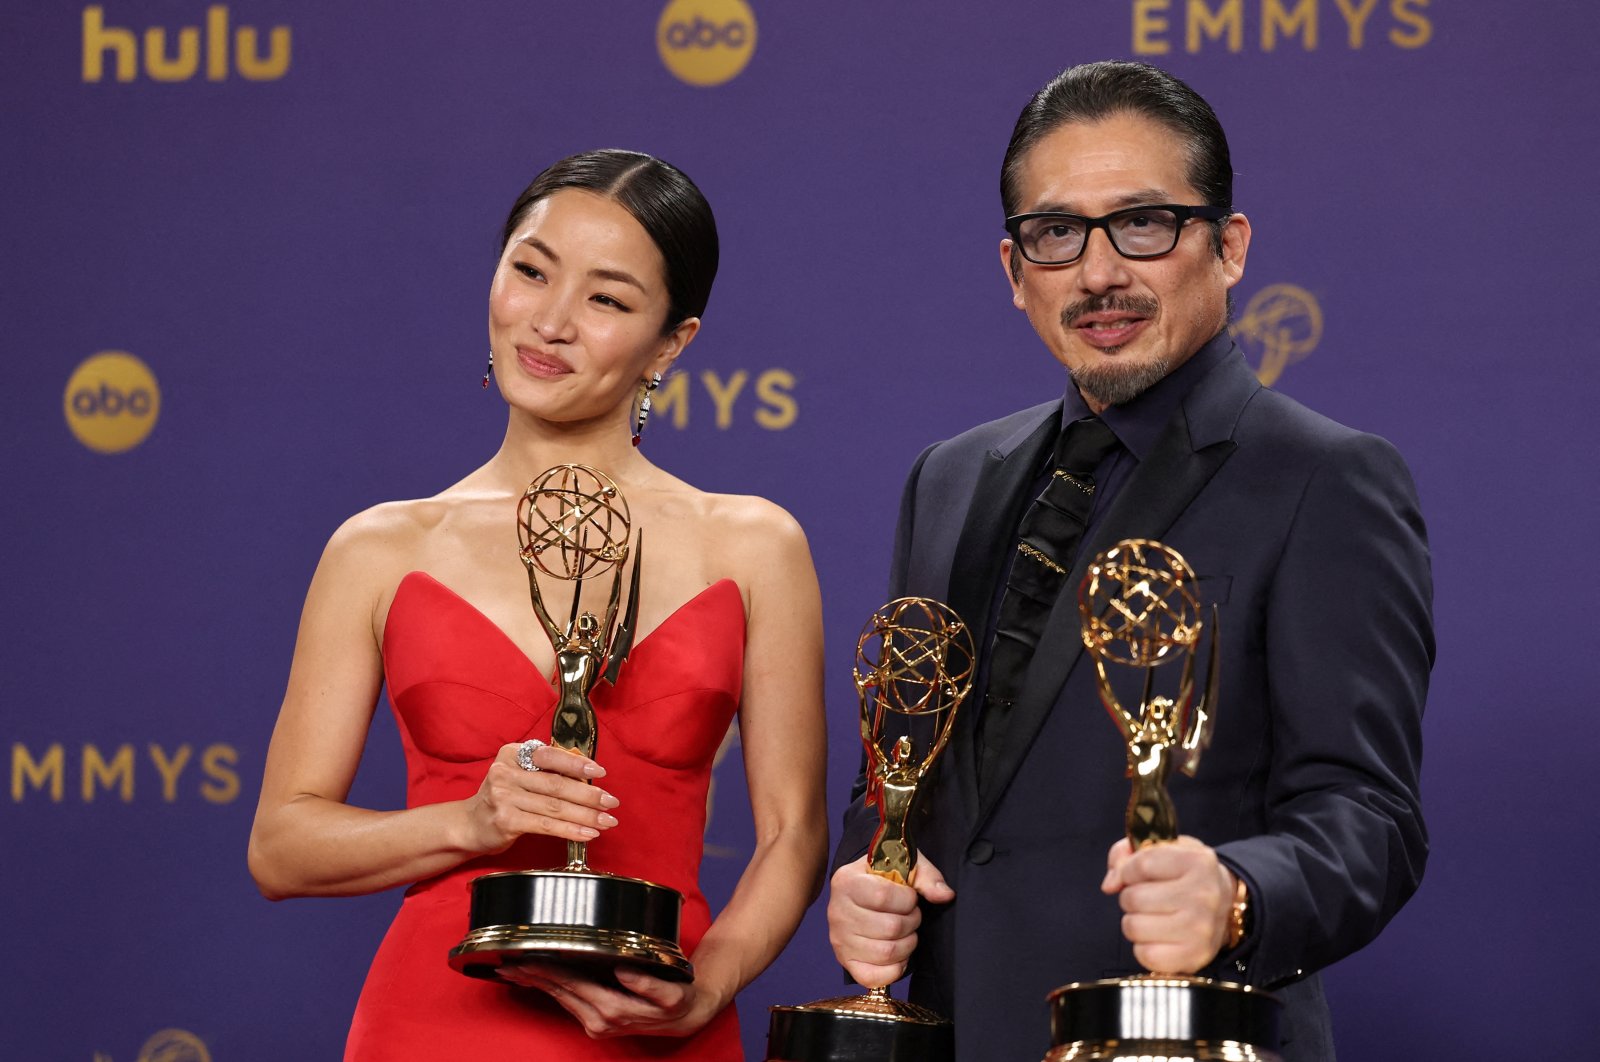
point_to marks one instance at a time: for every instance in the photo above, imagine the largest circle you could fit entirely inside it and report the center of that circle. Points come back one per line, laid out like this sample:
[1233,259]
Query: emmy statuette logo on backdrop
[167,1045]
[1281,324]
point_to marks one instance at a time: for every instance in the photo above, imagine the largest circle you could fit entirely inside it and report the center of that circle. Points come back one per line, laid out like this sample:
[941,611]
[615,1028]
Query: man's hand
[873,922]
[1175,900]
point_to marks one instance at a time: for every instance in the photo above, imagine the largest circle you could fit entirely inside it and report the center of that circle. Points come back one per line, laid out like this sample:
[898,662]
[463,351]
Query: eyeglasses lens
[1138,233]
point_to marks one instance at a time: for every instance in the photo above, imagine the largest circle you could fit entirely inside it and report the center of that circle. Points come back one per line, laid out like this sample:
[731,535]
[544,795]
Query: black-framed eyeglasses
[1050,237]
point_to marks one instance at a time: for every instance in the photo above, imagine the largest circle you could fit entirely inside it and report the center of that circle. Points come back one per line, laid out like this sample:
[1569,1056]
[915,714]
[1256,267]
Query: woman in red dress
[606,265]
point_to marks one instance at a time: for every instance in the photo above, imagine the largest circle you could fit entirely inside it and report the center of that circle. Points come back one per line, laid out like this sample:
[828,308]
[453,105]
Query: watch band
[1238,915]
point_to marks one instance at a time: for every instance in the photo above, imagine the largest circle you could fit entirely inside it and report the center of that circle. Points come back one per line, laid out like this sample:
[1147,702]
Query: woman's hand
[555,800]
[643,1006]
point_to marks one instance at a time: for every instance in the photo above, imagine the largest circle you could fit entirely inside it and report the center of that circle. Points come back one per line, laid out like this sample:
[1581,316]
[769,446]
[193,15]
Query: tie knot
[1084,445]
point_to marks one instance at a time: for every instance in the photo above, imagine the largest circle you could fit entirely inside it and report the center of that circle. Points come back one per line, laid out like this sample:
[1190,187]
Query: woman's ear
[674,342]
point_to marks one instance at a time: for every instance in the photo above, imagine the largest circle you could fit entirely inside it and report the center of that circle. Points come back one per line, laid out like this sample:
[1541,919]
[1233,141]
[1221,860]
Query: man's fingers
[869,975]
[929,882]
[863,889]
[1115,858]
[875,951]
[1171,958]
[873,922]
[1174,899]
[1168,861]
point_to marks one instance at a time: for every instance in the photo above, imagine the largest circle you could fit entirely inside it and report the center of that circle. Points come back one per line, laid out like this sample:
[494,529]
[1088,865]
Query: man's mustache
[1142,305]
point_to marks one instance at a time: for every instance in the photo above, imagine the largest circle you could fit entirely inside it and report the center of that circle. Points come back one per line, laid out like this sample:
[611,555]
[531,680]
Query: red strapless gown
[460,690]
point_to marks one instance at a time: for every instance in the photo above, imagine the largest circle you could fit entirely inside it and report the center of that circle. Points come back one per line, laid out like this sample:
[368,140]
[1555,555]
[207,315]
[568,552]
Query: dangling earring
[488,370]
[645,388]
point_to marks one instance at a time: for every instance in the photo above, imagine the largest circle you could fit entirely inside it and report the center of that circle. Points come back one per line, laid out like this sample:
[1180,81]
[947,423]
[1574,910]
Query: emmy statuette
[1141,609]
[914,663]
[572,523]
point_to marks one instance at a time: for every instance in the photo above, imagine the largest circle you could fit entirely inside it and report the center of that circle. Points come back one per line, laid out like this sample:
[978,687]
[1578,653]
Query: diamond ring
[525,754]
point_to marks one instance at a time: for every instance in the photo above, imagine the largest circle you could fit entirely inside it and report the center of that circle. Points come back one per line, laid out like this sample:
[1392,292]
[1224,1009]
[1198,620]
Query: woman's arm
[785,757]
[784,734]
[306,841]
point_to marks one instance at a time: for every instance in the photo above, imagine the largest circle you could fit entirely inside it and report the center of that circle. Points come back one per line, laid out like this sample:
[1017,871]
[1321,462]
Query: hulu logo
[180,63]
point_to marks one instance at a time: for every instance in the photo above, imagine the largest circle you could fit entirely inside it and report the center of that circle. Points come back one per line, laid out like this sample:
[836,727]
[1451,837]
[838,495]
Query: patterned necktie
[1047,540]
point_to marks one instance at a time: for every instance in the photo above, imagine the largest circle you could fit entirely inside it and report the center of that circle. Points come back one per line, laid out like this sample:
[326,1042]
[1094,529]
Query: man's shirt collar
[1138,423]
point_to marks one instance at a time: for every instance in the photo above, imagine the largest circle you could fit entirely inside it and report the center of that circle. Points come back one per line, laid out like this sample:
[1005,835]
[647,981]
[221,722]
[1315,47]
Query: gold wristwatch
[1238,915]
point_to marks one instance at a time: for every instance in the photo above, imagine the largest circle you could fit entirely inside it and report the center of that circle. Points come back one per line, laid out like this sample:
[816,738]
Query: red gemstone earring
[490,369]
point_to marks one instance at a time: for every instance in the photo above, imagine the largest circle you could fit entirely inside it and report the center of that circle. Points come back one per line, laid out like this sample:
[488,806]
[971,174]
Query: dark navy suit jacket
[1307,535]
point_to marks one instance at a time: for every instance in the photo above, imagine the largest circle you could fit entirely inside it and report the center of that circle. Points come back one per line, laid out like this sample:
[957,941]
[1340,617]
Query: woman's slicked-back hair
[661,198]
[1096,91]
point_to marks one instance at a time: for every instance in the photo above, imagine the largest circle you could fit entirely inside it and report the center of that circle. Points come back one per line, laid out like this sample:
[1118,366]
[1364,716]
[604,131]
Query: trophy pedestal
[1163,1018]
[874,1027]
[575,918]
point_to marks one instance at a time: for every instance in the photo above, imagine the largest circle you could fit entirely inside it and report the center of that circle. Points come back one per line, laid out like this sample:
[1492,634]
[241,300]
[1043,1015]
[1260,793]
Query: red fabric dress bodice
[461,689]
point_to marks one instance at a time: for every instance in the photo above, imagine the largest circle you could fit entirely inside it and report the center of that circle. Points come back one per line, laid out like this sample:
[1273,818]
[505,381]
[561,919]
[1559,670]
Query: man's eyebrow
[604,274]
[1142,197]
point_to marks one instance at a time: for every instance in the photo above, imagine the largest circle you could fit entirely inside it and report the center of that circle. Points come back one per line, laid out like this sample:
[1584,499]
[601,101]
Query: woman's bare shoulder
[751,513]
[378,545]
[752,533]
[392,525]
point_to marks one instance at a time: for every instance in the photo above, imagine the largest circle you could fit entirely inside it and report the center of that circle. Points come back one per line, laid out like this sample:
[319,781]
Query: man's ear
[1235,247]
[1011,262]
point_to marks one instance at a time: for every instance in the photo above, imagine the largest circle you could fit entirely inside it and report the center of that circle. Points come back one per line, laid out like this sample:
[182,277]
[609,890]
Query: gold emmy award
[1140,610]
[913,661]
[572,523]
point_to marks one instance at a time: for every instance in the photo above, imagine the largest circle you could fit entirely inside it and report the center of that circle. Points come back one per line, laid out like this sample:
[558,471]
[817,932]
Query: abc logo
[706,42]
[112,402]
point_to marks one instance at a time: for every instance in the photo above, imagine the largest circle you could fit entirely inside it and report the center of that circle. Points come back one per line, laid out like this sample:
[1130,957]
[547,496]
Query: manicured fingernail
[594,770]
[607,800]
[607,821]
[588,831]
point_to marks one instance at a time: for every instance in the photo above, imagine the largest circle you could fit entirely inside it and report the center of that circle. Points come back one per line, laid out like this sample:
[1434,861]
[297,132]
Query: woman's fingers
[578,809]
[556,800]
[558,760]
[641,1004]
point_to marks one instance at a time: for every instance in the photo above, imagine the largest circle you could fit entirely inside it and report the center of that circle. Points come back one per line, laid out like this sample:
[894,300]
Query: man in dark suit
[1302,831]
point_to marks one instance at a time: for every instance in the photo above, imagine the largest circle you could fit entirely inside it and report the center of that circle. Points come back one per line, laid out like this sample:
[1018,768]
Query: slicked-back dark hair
[1096,91]
[661,198]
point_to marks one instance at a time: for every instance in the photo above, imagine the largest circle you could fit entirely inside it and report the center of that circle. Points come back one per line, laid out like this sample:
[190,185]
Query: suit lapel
[1193,446]
[998,498]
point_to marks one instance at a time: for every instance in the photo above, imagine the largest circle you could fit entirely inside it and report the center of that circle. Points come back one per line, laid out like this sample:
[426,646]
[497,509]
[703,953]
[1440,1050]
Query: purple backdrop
[289,216]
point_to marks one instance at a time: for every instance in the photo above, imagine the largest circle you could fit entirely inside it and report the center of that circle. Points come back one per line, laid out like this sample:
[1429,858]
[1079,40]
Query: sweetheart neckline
[511,642]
